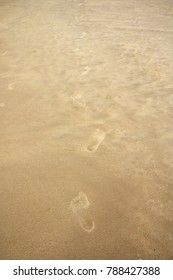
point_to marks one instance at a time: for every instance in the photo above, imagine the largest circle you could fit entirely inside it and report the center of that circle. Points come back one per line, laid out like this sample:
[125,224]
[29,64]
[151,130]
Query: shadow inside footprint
[96,140]
[86,223]
[78,206]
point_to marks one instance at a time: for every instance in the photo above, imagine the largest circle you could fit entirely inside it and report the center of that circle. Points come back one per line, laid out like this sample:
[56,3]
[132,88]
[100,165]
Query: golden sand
[86,129]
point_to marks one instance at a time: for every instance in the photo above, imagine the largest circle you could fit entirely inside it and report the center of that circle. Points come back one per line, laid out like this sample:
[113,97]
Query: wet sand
[86,138]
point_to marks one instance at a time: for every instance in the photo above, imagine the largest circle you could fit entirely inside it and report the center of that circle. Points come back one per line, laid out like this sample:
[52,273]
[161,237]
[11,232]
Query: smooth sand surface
[86,129]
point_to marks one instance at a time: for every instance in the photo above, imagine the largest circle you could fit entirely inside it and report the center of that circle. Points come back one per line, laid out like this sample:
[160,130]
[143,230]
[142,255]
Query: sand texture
[86,129]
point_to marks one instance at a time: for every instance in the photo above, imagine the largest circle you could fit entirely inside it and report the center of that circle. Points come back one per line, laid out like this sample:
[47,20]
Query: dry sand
[86,129]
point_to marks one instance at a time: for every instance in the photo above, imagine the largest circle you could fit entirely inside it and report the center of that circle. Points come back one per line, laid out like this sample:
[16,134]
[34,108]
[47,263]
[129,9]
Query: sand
[86,129]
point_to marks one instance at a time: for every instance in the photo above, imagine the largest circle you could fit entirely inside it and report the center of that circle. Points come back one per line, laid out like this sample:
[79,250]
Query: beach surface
[86,129]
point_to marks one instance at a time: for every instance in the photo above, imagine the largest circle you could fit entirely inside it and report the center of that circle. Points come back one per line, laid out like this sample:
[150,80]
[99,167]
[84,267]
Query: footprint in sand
[96,140]
[78,206]
[78,101]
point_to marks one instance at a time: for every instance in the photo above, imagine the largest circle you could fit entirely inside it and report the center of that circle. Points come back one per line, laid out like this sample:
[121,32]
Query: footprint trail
[78,206]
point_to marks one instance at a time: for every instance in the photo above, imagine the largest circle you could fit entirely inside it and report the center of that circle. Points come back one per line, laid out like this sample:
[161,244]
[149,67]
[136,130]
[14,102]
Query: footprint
[96,140]
[78,206]
[80,202]
[79,101]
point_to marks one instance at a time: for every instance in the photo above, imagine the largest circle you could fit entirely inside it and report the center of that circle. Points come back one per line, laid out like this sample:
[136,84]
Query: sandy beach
[86,129]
